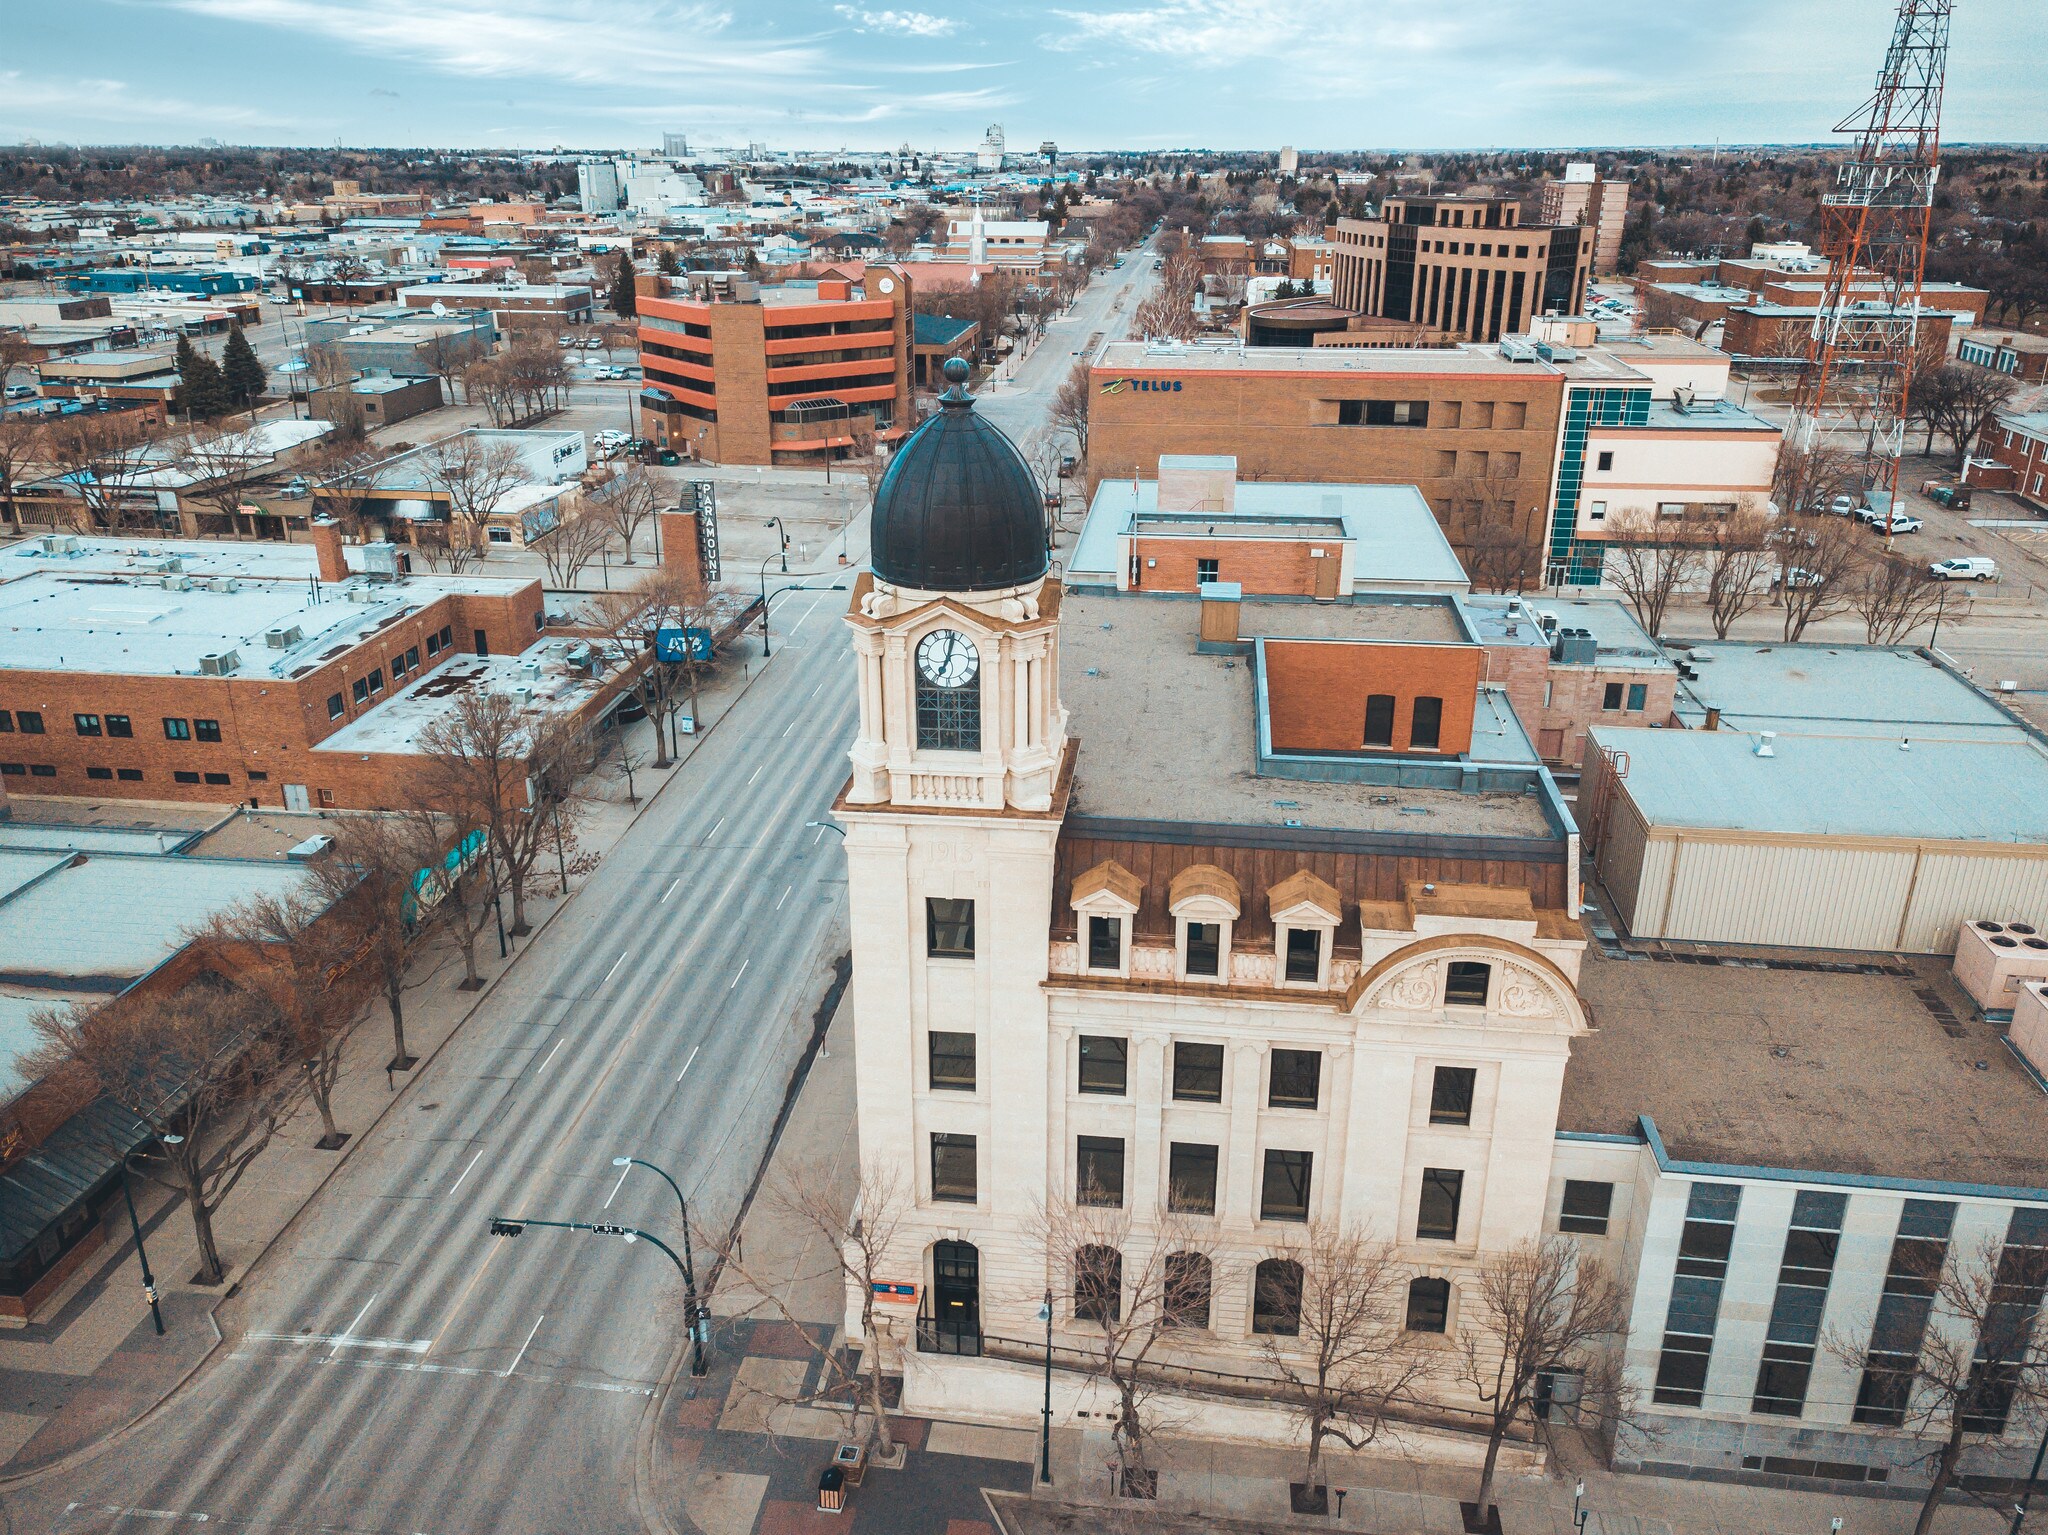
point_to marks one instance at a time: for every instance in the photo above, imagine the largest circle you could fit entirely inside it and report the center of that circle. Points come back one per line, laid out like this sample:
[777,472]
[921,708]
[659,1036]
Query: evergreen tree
[625,302]
[202,391]
[241,371]
[670,267]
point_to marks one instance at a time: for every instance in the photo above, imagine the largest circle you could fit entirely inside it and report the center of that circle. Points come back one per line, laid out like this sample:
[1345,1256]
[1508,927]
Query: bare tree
[332,374]
[1070,404]
[1805,479]
[305,970]
[472,774]
[1648,564]
[570,547]
[1738,559]
[224,461]
[1128,1294]
[373,883]
[627,499]
[1815,565]
[629,618]
[1960,1355]
[21,447]
[1348,1362]
[854,1234]
[1965,400]
[1168,313]
[475,474]
[1503,543]
[102,453]
[205,1071]
[1894,596]
[449,354]
[1542,1308]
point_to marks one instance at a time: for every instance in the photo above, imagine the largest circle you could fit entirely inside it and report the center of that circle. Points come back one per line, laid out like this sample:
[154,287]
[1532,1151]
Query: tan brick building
[1465,425]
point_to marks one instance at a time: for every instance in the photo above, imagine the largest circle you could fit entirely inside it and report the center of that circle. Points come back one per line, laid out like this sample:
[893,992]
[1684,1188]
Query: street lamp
[782,537]
[515,1225]
[1045,1430]
[827,826]
[1579,1515]
[156,1314]
[698,1314]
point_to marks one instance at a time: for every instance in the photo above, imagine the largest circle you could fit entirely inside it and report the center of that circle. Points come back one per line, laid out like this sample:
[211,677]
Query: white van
[1969,567]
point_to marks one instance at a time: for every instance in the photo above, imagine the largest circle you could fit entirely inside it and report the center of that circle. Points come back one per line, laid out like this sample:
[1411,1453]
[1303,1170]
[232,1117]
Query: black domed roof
[959,509]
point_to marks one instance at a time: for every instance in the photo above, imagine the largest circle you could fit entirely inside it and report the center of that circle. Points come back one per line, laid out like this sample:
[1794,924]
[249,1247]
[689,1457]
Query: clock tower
[961,770]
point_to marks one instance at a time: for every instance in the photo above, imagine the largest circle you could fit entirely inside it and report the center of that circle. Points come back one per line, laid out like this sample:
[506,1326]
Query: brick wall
[1266,568]
[1316,692]
[1557,704]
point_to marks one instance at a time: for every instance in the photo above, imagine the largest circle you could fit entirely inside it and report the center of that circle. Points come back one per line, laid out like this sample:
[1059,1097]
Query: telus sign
[1141,385]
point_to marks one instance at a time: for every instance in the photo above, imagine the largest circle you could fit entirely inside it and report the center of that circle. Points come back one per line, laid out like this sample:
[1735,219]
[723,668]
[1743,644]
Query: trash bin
[832,1490]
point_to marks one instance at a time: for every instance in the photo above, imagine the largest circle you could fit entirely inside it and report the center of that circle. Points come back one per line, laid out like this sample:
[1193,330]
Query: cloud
[118,102]
[379,90]
[904,23]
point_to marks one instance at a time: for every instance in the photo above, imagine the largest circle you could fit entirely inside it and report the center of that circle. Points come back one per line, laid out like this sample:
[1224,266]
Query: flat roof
[1700,416]
[1972,790]
[1396,538]
[1197,357]
[552,685]
[1608,620]
[1132,681]
[1880,691]
[1694,1046]
[103,607]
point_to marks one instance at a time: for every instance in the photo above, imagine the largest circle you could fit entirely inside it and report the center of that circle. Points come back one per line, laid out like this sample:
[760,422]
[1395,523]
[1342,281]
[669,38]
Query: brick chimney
[327,545]
[680,555]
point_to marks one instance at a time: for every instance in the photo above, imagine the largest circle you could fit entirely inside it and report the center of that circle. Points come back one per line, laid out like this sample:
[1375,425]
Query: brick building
[266,674]
[1782,330]
[2013,452]
[1465,266]
[794,375]
[512,303]
[1465,425]
[2015,352]
[1598,203]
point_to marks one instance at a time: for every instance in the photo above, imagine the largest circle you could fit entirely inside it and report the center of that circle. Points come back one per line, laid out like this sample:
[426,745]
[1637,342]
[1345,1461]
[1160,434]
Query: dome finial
[956,371]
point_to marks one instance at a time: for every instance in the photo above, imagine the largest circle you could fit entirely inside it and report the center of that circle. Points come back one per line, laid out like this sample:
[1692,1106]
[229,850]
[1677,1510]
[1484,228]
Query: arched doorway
[951,1323]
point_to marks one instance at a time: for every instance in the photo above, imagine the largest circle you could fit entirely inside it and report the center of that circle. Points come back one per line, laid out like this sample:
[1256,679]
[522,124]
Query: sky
[1128,74]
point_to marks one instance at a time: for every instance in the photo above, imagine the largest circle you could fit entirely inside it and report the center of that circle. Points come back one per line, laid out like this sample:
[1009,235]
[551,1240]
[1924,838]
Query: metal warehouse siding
[1805,894]
[1955,886]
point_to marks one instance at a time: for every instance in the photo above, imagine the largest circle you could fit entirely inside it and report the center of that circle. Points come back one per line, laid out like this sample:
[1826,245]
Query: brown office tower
[1583,197]
[1464,267]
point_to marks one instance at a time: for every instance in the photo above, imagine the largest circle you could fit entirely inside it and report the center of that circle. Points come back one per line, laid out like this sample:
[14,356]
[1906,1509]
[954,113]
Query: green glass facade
[1575,561]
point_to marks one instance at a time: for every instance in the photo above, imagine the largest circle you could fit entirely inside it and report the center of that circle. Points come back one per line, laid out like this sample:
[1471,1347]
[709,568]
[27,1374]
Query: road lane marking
[756,773]
[714,830]
[613,971]
[551,1056]
[691,1061]
[467,1170]
[524,1347]
[349,1331]
[343,1340]
[621,1183]
[819,838]
[408,1367]
[736,977]
[786,729]
[788,888]
[672,889]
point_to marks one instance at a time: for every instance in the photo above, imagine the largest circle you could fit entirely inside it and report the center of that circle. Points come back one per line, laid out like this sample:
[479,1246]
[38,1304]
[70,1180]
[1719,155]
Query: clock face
[947,658]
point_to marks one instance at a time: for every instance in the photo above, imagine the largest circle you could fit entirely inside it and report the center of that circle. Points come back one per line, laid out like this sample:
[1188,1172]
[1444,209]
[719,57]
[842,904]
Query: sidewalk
[93,1365]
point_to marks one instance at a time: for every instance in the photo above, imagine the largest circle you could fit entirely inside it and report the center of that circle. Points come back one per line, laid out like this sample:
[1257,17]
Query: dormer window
[1105,900]
[1203,900]
[1306,911]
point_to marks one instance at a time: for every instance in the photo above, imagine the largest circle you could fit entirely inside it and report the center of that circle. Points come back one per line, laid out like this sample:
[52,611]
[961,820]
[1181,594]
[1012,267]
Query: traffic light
[505,1228]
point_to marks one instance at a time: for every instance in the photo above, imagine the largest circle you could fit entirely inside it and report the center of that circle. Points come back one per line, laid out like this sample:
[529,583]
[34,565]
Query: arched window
[1184,1296]
[1429,1305]
[1098,1284]
[1276,1298]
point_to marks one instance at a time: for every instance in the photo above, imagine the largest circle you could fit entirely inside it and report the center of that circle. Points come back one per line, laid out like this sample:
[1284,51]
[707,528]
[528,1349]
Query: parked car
[565,341]
[21,391]
[1968,567]
[1798,575]
[1898,522]
[1067,466]
[1842,506]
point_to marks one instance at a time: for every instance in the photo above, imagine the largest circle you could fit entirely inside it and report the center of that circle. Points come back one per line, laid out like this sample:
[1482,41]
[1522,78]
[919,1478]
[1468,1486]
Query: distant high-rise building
[597,185]
[1582,197]
[675,146]
[990,156]
[1048,151]
[1290,161]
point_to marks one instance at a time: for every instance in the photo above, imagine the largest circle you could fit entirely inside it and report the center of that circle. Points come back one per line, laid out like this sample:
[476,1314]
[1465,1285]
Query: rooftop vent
[220,664]
[285,638]
[312,847]
[1764,740]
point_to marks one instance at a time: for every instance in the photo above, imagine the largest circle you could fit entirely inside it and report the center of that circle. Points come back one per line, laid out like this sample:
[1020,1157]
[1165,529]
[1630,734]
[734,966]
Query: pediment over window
[1204,893]
[1108,889]
[1302,900]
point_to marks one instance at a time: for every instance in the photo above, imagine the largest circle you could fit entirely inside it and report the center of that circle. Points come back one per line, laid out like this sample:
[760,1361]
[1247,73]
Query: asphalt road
[393,1367]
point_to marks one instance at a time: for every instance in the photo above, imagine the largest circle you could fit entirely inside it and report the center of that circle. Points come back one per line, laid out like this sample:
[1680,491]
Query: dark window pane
[1429,1305]
[949,719]
[1379,719]
[1191,1179]
[1205,948]
[1283,1196]
[1437,1219]
[1099,1170]
[1681,1377]
[177,730]
[1104,1064]
[1638,695]
[1276,1298]
[1197,1073]
[129,775]
[1098,1284]
[1466,983]
[120,725]
[1184,1296]
[1426,730]
[1105,943]
[1205,570]
[334,706]
[1706,1240]
[1713,1202]
[209,730]
[949,928]
[1585,1207]
[6,723]
[87,724]
[1450,1095]
[100,772]
[1781,1380]
[1610,696]
[30,721]
[953,1174]
[1295,1079]
[952,1058]
[1304,953]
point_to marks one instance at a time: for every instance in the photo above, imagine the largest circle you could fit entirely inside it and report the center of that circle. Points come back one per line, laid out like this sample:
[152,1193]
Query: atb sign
[682,644]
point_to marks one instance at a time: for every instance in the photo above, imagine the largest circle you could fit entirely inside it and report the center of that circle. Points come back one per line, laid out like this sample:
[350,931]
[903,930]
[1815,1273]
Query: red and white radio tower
[1874,236]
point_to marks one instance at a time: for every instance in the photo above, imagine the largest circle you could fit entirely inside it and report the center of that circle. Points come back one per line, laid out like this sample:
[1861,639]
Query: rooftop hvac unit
[312,847]
[364,594]
[220,664]
[163,565]
[381,560]
[285,638]
[177,583]
[60,543]
[1575,647]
